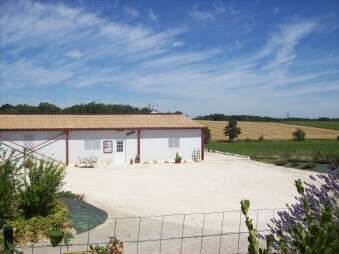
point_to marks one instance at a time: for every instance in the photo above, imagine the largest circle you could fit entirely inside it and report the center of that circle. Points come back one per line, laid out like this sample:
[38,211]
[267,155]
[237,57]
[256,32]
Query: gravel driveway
[216,184]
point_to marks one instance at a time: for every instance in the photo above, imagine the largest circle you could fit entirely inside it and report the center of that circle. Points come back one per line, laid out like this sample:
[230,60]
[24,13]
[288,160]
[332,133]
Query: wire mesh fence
[213,232]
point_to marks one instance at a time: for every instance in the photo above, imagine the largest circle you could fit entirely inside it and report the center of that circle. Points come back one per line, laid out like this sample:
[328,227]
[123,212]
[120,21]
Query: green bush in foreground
[41,185]
[36,228]
[28,200]
[9,184]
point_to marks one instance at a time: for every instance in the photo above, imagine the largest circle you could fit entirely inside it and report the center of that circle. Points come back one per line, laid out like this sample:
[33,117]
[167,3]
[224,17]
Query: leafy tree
[232,131]
[89,108]
[252,118]
[207,135]
[48,108]
[299,134]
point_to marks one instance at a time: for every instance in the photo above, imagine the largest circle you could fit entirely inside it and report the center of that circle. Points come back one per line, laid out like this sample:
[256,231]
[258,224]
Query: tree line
[252,118]
[88,108]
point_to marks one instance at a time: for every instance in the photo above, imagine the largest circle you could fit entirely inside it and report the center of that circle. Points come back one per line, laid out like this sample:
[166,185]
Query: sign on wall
[108,146]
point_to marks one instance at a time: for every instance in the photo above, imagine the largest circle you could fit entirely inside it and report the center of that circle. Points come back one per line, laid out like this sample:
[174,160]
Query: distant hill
[89,108]
[251,118]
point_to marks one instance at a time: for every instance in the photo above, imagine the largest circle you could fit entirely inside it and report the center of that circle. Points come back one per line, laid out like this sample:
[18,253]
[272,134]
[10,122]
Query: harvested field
[270,131]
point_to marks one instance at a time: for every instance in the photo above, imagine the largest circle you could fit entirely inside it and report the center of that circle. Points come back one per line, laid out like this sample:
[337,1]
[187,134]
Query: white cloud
[152,15]
[74,54]
[201,14]
[151,63]
[132,12]
[216,10]
[178,44]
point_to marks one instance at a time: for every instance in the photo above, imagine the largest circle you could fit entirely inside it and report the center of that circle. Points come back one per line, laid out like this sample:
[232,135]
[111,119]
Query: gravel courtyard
[214,185]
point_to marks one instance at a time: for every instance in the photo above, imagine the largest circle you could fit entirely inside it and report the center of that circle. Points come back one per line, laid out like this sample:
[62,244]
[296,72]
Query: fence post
[115,227]
[256,224]
[202,232]
[8,237]
[138,235]
[222,229]
[88,229]
[239,233]
[161,231]
[182,232]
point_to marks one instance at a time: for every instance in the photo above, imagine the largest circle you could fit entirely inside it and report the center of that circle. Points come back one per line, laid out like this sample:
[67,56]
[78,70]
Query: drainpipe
[66,140]
[202,143]
[138,148]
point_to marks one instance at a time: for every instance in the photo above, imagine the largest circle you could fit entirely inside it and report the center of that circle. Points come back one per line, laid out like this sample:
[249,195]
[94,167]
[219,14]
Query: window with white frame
[173,142]
[92,144]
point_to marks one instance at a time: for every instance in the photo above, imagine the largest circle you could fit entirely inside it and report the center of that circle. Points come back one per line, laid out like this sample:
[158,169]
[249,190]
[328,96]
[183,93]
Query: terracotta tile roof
[57,122]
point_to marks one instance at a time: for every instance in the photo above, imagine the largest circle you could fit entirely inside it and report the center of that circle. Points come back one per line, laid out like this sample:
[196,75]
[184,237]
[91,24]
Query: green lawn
[304,150]
[333,125]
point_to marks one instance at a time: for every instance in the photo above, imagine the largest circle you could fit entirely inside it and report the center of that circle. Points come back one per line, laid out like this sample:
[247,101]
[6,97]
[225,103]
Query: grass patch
[306,150]
[35,229]
[332,125]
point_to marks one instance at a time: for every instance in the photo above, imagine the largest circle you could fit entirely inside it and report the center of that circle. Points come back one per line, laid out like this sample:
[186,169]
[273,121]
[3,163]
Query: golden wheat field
[253,130]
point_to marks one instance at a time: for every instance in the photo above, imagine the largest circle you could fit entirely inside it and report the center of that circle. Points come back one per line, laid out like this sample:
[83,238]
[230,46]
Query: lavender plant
[310,225]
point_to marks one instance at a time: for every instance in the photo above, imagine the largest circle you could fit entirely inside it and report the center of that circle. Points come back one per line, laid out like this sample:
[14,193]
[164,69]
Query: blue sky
[233,57]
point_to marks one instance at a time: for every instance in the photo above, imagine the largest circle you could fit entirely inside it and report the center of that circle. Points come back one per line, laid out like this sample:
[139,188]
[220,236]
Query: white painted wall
[54,149]
[154,144]
[77,146]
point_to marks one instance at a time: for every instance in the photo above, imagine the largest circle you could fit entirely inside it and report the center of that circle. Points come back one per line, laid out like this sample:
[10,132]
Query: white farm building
[110,139]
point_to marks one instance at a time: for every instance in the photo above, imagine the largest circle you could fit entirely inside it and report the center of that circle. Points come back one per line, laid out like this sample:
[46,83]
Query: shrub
[320,157]
[281,162]
[337,138]
[294,163]
[261,138]
[177,158]
[231,130]
[308,165]
[311,225]
[299,135]
[207,135]
[57,234]
[9,184]
[36,228]
[114,246]
[41,185]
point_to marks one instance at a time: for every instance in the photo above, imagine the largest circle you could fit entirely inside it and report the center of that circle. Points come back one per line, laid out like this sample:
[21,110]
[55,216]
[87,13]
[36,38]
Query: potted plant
[137,159]
[177,158]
